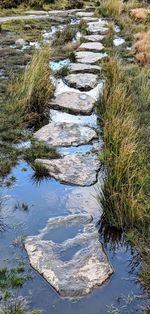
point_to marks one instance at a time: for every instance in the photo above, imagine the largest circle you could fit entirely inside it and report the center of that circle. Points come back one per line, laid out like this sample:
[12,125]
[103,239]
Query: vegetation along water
[74,156]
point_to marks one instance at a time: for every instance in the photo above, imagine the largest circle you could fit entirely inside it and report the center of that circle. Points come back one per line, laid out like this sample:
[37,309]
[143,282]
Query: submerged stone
[75,266]
[74,102]
[78,169]
[65,134]
[89,56]
[91,46]
[82,81]
[80,67]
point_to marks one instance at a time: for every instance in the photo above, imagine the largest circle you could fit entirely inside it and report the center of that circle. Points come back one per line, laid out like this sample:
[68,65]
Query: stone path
[67,252]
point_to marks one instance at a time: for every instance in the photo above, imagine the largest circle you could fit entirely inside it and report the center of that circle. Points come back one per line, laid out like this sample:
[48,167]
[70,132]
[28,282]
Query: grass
[142,47]
[125,193]
[26,104]
[110,8]
[65,36]
[140,13]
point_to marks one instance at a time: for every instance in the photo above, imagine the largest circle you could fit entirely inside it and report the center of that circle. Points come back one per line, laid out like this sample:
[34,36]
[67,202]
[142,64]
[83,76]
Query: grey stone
[20,42]
[91,46]
[80,67]
[90,19]
[82,81]
[76,274]
[94,37]
[74,102]
[84,14]
[98,27]
[78,169]
[89,56]
[65,134]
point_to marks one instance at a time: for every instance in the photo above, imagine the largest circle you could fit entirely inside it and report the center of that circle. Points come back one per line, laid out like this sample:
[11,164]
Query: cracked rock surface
[82,81]
[65,134]
[74,102]
[78,169]
[73,266]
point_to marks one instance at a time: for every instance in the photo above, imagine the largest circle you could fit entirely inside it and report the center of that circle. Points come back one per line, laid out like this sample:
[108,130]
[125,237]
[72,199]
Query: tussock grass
[141,47]
[26,104]
[32,91]
[123,198]
[124,112]
[109,8]
[131,4]
[140,14]
[65,36]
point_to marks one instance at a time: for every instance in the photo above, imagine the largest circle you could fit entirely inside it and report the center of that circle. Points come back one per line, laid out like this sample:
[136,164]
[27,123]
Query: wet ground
[25,209]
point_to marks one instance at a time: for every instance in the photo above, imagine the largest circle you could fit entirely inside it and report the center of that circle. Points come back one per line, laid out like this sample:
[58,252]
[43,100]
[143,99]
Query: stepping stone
[74,102]
[79,67]
[78,169]
[94,37]
[97,27]
[91,46]
[90,19]
[75,266]
[65,134]
[82,81]
[84,14]
[89,56]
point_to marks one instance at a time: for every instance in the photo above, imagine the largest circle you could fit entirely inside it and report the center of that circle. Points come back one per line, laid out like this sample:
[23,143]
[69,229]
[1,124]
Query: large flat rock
[91,46]
[73,266]
[82,81]
[78,169]
[98,27]
[74,102]
[65,134]
[89,56]
[84,67]
[93,37]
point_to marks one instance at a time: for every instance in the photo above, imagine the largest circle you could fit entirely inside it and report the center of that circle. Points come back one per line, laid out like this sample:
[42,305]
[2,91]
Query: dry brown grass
[142,47]
[140,13]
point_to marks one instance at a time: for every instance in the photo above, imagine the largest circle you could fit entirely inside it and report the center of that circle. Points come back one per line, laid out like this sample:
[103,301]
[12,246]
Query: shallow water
[51,199]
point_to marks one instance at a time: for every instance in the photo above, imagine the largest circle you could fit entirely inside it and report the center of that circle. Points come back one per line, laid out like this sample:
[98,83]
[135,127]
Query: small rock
[80,67]
[82,81]
[74,102]
[91,46]
[78,169]
[86,14]
[89,56]
[94,37]
[20,42]
[27,27]
[97,27]
[65,134]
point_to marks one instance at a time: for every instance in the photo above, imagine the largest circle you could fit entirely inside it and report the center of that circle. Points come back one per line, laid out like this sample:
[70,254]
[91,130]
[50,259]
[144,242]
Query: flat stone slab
[89,56]
[82,81]
[86,14]
[84,67]
[77,169]
[75,266]
[74,102]
[91,46]
[98,27]
[94,37]
[65,134]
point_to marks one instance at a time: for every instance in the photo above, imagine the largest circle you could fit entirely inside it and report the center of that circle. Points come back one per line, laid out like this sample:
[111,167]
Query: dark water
[49,200]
